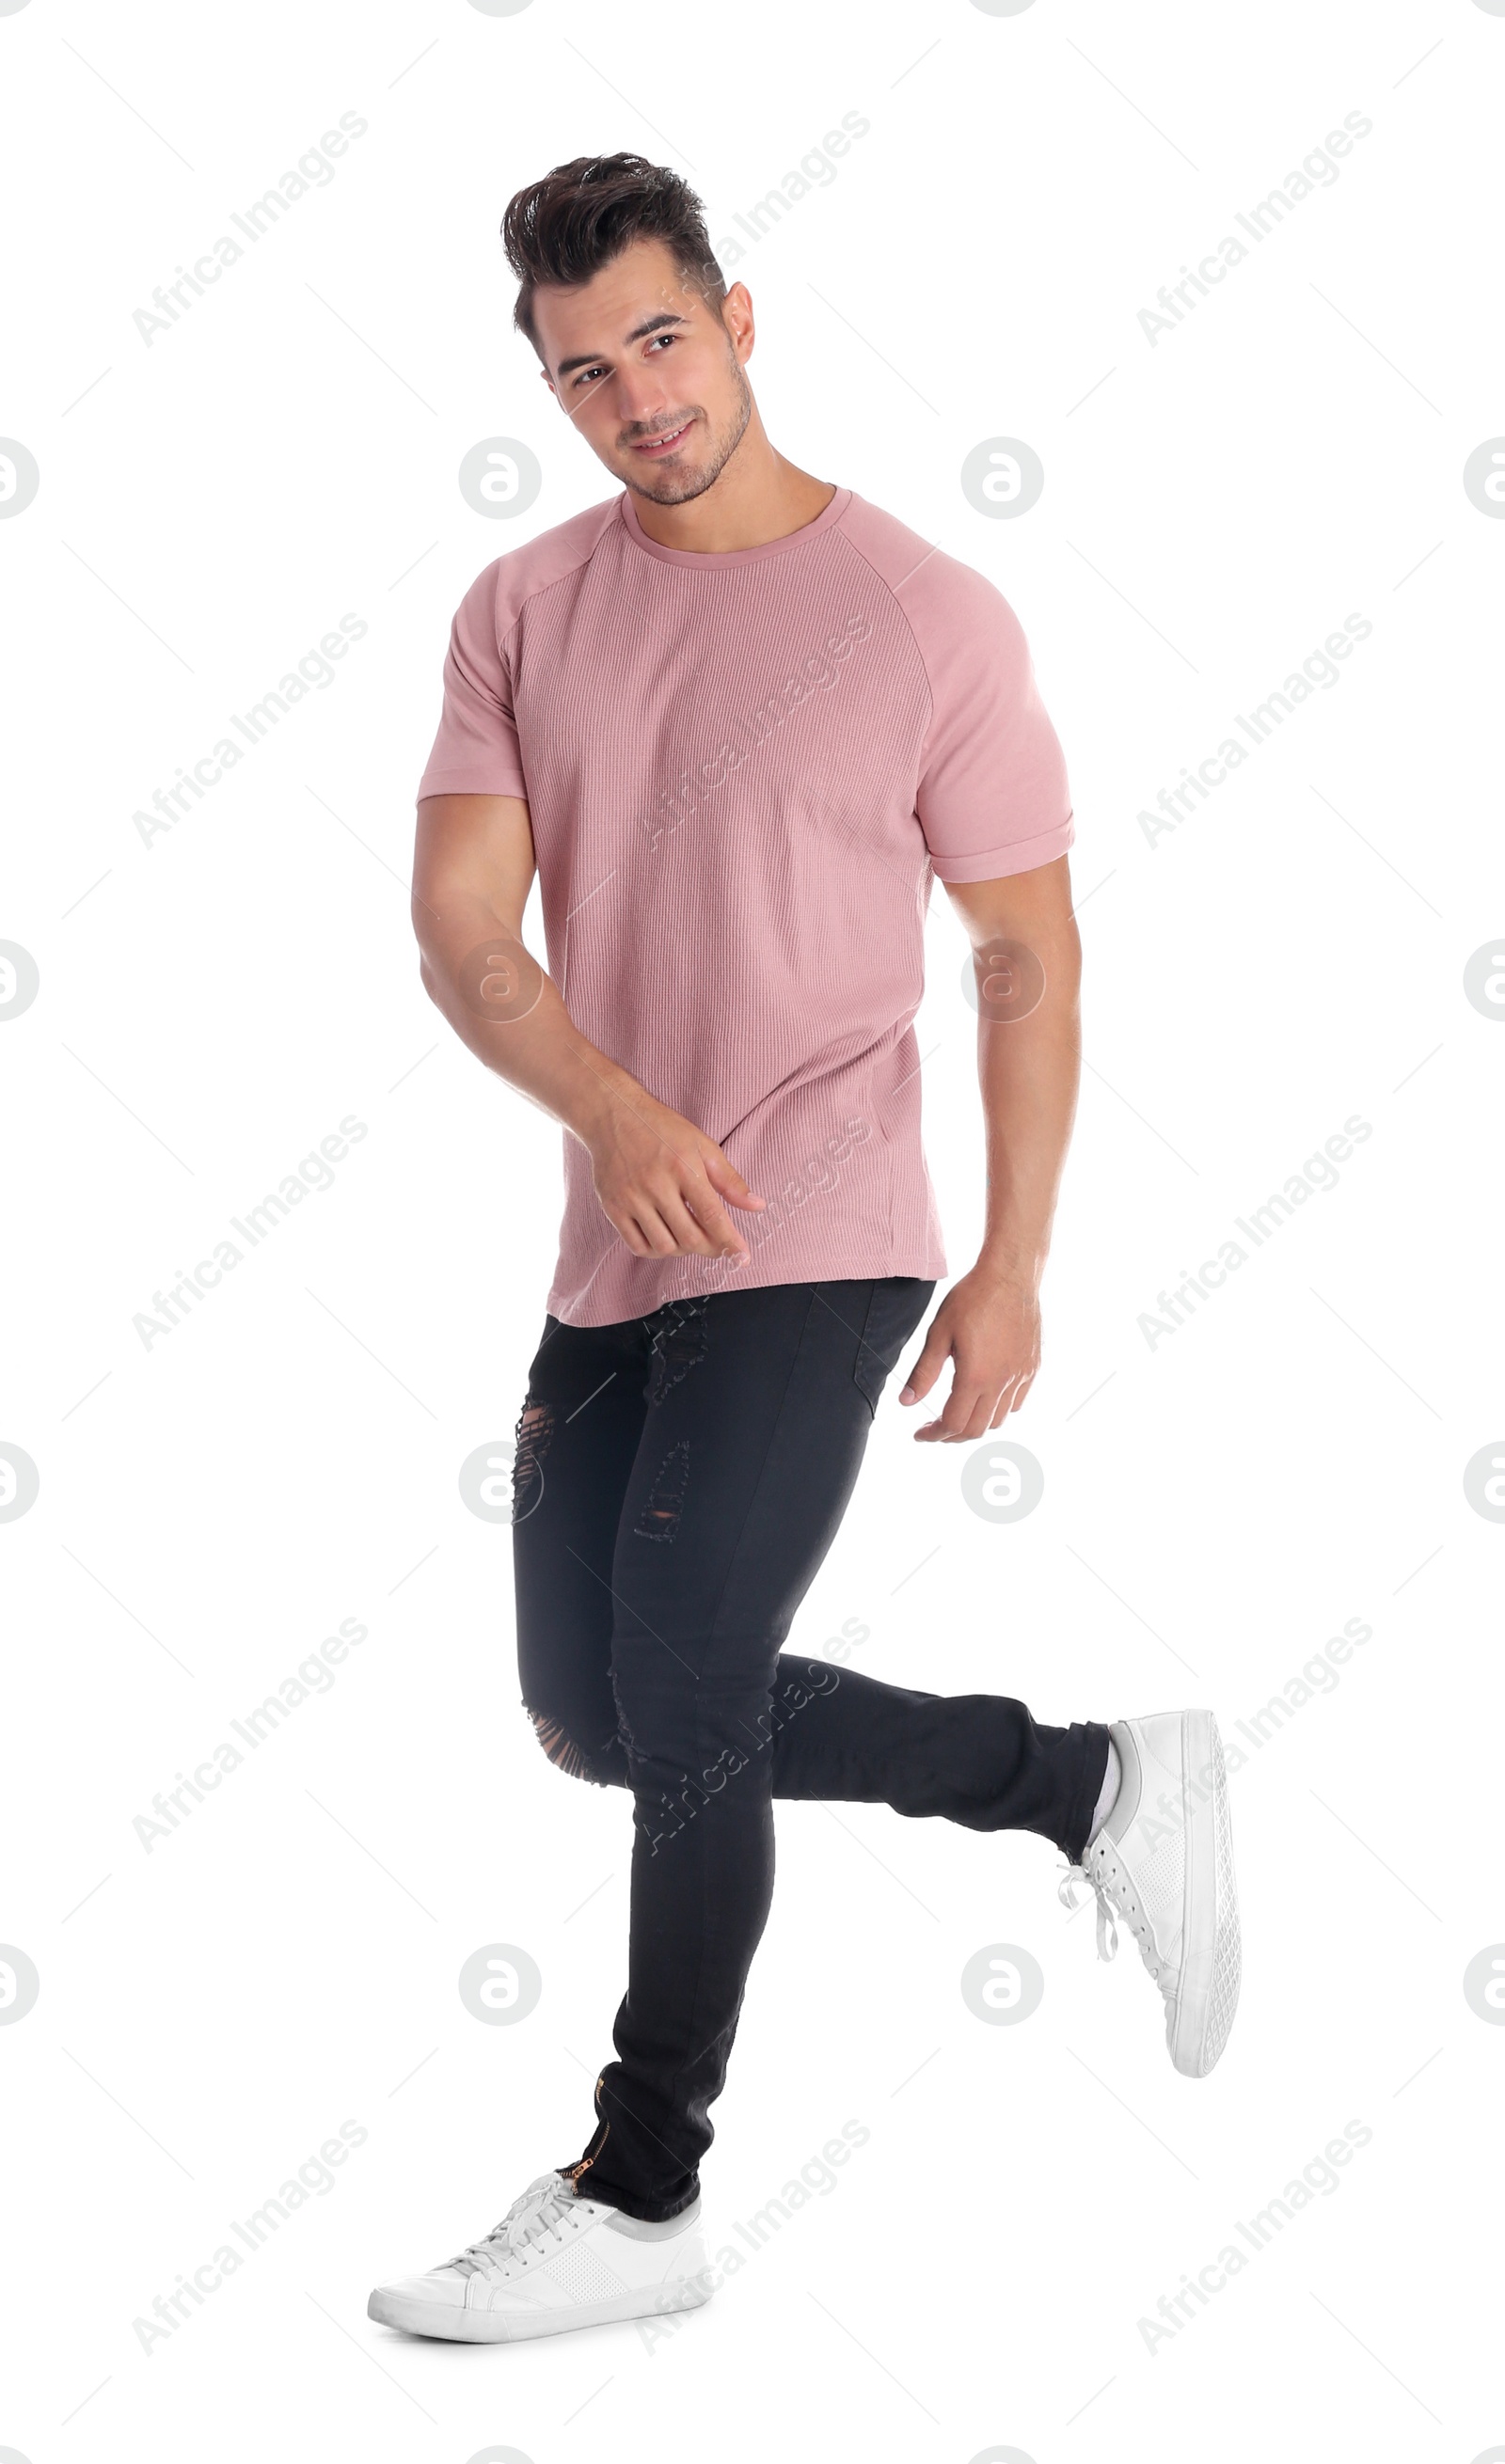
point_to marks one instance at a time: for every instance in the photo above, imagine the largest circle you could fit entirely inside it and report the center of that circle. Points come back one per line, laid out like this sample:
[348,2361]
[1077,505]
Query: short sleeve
[992,796]
[476,752]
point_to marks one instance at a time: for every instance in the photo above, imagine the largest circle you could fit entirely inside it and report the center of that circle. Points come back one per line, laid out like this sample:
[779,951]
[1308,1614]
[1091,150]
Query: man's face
[648,370]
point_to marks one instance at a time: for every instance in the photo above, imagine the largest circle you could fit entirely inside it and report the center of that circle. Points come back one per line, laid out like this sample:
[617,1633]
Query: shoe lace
[1075,1880]
[536,2213]
[1115,1898]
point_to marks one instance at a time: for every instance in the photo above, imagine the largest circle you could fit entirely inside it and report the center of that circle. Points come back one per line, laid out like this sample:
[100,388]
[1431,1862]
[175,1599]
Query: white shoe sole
[1212,1957]
[456,2326]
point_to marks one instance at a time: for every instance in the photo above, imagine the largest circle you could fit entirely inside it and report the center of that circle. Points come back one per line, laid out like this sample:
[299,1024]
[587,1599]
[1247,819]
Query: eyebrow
[638,334]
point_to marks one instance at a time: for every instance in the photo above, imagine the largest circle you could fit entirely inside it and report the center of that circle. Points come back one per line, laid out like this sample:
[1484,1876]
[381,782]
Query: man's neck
[755,497]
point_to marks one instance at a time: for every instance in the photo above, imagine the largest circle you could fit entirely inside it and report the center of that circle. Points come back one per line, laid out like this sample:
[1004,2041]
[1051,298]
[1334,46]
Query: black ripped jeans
[678,1479]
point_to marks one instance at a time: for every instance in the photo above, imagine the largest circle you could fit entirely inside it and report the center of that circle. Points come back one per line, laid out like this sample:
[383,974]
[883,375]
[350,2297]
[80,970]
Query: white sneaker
[1164,1860]
[556,2260]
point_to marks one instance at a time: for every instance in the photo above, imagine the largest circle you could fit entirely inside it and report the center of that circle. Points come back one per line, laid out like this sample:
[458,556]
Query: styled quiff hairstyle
[567,226]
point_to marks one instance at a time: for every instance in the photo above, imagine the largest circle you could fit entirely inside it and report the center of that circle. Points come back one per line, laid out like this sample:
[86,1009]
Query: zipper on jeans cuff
[573,2172]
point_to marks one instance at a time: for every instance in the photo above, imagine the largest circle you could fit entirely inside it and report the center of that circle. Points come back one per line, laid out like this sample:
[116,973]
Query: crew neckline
[713,559]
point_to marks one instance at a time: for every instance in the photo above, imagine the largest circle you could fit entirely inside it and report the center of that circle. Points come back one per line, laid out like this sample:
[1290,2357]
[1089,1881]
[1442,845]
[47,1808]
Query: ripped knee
[561,1748]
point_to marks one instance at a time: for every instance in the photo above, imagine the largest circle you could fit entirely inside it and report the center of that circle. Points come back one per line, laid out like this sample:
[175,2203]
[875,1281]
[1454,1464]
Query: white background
[212,1003]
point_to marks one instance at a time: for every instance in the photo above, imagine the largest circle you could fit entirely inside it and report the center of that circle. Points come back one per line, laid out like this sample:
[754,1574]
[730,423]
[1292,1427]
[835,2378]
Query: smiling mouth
[667,442]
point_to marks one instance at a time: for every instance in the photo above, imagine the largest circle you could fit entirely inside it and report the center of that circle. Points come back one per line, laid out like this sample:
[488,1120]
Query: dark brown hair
[567,226]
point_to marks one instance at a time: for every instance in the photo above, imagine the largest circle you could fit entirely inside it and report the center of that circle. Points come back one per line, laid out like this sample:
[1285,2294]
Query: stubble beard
[680,488]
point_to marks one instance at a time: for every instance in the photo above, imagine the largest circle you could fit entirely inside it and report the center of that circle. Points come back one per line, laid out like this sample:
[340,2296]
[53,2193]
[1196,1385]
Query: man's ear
[740,331]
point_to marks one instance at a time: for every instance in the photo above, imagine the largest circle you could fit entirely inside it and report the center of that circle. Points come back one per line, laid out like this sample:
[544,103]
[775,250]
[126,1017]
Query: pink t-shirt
[742,771]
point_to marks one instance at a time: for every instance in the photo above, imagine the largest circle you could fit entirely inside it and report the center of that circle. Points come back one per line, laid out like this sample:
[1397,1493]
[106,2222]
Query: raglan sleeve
[477,749]
[992,795]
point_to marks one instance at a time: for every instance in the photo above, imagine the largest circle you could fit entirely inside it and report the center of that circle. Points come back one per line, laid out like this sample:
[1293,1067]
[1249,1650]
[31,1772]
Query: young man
[737,717]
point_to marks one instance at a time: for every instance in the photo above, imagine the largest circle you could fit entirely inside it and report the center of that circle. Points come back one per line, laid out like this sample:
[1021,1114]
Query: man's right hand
[661,1182]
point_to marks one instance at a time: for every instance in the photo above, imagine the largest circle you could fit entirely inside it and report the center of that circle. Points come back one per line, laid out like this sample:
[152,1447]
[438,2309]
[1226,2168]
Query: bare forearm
[1029,1054]
[501,1002]
[1028,1070]
[662,1181]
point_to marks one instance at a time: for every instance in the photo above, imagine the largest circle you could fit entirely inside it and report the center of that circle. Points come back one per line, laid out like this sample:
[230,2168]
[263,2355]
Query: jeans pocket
[895,1309]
